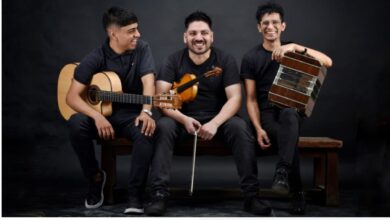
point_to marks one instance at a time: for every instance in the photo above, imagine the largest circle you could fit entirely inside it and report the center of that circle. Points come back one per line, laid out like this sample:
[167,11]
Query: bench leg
[109,166]
[332,179]
[319,172]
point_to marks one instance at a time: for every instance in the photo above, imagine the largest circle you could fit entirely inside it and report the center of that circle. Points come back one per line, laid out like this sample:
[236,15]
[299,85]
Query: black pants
[235,133]
[82,133]
[282,127]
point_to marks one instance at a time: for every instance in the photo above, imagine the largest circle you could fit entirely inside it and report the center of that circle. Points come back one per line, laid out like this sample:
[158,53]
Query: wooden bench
[323,150]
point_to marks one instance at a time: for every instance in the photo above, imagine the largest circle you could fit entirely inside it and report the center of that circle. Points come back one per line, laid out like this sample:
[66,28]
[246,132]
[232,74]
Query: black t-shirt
[211,90]
[257,64]
[129,66]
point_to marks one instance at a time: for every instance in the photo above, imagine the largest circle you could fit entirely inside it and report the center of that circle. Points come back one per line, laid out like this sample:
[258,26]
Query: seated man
[212,114]
[129,57]
[275,127]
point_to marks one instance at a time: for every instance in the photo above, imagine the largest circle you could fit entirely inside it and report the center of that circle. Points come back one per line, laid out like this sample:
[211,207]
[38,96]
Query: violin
[187,87]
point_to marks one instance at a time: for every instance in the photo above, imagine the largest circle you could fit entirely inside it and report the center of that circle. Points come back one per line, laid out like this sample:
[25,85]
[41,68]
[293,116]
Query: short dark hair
[118,16]
[198,16]
[269,8]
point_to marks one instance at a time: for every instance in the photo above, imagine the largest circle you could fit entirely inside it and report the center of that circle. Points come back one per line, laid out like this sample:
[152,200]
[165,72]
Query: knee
[289,114]
[166,127]
[238,128]
[237,124]
[77,123]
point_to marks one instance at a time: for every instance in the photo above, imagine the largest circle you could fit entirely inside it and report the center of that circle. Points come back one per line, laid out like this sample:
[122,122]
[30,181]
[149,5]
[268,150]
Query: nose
[198,36]
[137,33]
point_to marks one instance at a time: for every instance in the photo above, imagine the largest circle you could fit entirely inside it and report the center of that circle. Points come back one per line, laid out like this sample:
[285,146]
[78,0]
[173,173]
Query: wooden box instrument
[297,83]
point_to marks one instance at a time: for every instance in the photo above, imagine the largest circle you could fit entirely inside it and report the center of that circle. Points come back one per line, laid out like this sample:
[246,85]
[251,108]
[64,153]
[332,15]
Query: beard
[193,48]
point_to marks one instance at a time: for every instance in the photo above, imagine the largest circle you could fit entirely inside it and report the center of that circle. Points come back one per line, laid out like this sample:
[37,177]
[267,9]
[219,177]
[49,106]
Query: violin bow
[193,163]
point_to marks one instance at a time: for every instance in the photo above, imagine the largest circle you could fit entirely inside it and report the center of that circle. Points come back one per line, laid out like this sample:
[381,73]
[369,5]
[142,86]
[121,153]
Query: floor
[46,203]
[51,186]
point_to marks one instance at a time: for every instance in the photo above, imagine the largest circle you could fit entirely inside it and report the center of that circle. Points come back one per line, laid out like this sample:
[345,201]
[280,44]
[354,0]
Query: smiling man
[276,128]
[212,114]
[131,59]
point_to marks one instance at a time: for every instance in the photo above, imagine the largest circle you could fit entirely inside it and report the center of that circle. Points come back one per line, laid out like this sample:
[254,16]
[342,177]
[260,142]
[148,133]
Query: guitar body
[107,81]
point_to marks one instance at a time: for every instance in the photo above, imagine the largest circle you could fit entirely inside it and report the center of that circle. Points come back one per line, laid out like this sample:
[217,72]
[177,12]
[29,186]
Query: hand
[191,125]
[208,130]
[279,52]
[104,127]
[148,124]
[263,140]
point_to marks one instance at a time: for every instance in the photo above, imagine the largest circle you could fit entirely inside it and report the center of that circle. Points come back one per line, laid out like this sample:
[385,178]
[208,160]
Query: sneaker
[256,206]
[280,183]
[134,206]
[298,203]
[95,196]
[157,206]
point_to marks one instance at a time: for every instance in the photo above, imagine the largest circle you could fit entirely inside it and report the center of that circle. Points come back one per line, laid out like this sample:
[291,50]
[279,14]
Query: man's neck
[115,48]
[271,45]
[199,58]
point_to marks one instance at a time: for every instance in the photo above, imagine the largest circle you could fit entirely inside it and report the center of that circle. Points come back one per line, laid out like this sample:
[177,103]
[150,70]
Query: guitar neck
[123,98]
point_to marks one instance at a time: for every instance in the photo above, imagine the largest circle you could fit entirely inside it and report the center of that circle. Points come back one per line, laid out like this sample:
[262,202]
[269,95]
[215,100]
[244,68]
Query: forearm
[149,88]
[324,59]
[229,109]
[80,106]
[254,114]
[175,114]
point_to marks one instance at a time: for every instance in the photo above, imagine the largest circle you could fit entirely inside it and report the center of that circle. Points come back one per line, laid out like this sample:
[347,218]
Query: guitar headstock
[169,101]
[214,72]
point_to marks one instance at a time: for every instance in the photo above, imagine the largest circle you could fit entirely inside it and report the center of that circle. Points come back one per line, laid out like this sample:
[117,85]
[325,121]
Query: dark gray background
[41,36]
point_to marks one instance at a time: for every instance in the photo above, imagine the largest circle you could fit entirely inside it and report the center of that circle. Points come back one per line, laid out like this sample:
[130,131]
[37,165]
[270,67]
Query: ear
[211,37]
[110,32]
[259,27]
[284,25]
[185,37]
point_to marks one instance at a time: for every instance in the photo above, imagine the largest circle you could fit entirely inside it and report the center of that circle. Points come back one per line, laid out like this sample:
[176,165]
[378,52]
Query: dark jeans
[282,127]
[235,133]
[82,133]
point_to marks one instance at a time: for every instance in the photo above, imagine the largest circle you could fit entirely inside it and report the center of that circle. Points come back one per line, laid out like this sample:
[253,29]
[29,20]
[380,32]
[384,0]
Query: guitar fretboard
[123,97]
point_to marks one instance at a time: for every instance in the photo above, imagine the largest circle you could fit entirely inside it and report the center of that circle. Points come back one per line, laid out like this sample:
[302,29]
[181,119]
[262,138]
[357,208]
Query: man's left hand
[208,130]
[148,124]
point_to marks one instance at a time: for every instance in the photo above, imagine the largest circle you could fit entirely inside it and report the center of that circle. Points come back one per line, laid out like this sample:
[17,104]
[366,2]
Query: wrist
[148,112]
[304,52]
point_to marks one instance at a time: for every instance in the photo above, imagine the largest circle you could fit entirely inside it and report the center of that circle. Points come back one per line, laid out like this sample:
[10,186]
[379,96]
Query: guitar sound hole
[92,95]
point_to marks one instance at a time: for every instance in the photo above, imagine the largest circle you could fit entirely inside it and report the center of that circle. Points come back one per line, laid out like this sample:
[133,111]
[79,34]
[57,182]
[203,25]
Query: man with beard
[131,59]
[212,114]
[275,127]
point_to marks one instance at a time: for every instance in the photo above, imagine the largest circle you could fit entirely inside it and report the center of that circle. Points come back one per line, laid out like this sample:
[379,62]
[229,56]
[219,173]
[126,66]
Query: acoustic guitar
[105,88]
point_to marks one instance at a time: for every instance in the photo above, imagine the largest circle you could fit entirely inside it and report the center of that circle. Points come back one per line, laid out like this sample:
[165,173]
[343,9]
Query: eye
[131,31]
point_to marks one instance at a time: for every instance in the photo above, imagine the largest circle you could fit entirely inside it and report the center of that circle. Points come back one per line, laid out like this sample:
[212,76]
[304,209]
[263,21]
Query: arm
[189,123]
[74,100]
[254,113]
[279,52]
[229,109]
[148,123]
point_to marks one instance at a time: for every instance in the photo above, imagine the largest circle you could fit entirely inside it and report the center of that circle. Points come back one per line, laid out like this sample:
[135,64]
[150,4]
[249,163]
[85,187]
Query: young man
[128,56]
[212,114]
[275,127]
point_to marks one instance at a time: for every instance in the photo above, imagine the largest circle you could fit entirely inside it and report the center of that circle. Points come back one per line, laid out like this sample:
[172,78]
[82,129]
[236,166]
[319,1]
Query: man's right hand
[263,140]
[191,125]
[104,127]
